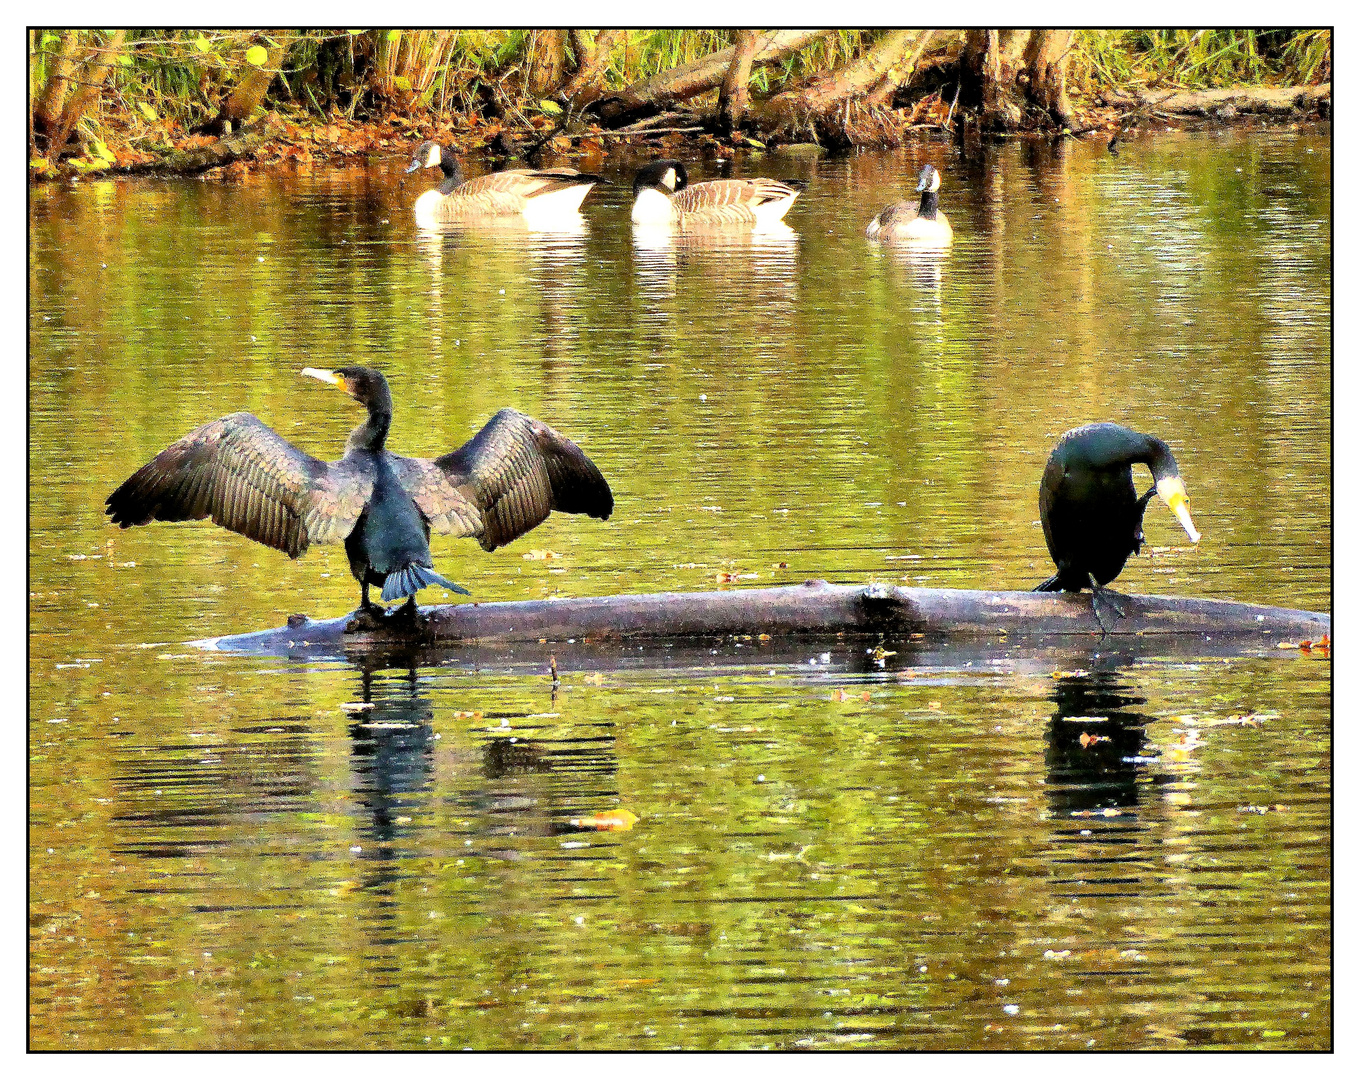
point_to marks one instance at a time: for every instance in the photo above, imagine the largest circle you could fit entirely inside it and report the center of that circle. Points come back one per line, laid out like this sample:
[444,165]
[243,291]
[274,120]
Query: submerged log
[815,608]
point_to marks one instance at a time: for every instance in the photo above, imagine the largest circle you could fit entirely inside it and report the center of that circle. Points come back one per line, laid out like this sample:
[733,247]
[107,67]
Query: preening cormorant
[920,224]
[1092,514]
[498,485]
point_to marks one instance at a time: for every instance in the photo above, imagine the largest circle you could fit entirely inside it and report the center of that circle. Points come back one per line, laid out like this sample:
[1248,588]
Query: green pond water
[832,850]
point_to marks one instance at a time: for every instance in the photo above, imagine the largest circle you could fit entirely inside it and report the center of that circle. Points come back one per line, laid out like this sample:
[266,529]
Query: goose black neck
[453,174]
[930,202]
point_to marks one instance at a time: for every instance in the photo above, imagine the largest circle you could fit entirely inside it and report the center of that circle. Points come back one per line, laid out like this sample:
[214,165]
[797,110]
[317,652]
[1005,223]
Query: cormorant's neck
[930,202]
[1160,461]
[372,433]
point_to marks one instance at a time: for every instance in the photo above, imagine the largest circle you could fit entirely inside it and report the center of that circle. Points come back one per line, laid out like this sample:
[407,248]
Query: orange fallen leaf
[619,820]
[1087,740]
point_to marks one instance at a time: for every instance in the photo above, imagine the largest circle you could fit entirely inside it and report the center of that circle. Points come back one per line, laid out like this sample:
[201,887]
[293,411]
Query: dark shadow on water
[1093,743]
[391,757]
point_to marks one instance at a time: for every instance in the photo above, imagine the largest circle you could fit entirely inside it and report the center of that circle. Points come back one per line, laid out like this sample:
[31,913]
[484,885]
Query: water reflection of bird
[249,479]
[392,756]
[1091,513]
[920,224]
[1094,743]
[662,195]
[535,195]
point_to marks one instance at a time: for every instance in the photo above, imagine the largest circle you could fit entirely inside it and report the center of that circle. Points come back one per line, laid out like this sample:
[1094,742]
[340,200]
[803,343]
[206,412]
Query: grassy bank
[129,96]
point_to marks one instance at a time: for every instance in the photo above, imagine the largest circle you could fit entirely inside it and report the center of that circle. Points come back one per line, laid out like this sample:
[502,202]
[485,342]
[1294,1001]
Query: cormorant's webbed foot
[408,612]
[367,616]
[1113,600]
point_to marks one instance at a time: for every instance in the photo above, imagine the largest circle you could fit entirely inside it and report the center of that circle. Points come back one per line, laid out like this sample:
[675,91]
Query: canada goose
[1092,514]
[921,226]
[540,196]
[248,478]
[662,195]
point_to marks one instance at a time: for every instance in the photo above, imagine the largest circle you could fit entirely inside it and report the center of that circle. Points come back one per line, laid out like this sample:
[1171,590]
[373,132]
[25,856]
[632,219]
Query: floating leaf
[550,107]
[618,820]
[256,55]
[201,44]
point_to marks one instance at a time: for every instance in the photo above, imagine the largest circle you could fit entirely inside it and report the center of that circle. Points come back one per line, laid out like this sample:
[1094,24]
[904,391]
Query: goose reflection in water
[534,278]
[746,267]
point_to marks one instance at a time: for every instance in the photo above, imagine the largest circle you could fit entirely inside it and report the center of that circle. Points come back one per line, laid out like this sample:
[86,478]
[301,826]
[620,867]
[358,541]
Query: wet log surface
[815,609]
[241,144]
[1228,101]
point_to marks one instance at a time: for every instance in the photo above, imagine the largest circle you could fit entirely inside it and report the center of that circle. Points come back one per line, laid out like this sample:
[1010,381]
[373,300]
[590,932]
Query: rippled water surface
[976,846]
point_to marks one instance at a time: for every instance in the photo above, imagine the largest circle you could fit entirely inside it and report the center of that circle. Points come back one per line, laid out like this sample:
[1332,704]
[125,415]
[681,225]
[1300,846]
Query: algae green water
[1086,846]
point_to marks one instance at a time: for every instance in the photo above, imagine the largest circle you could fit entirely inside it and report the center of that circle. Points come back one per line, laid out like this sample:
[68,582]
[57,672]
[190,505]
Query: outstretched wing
[250,479]
[445,506]
[516,471]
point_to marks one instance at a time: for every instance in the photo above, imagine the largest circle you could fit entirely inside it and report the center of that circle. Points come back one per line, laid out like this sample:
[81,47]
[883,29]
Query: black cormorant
[249,479]
[1091,512]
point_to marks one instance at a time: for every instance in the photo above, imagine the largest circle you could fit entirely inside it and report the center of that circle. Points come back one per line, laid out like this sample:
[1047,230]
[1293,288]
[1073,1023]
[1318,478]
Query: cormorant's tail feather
[411,579]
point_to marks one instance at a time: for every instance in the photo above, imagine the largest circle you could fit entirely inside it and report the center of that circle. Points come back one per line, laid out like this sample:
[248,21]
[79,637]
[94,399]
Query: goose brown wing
[517,470]
[534,182]
[732,198]
[250,479]
[507,192]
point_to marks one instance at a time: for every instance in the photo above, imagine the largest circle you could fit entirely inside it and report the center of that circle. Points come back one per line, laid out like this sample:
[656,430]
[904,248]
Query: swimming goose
[920,225]
[540,196]
[662,195]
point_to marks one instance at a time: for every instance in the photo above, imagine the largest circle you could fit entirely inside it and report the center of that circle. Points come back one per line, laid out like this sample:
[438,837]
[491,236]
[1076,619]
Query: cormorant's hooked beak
[1171,490]
[326,376]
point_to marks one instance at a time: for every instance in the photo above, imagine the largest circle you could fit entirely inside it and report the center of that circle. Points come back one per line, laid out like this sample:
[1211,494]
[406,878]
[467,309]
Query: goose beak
[325,376]
[415,164]
[1171,490]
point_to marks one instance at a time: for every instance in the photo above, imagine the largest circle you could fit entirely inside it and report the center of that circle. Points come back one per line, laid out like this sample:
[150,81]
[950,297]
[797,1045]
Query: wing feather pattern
[508,192]
[250,479]
[516,471]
